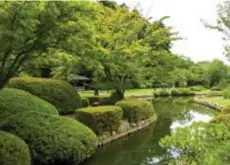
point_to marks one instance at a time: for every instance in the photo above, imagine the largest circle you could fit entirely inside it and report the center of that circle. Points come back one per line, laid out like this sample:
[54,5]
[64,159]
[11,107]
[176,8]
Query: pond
[143,147]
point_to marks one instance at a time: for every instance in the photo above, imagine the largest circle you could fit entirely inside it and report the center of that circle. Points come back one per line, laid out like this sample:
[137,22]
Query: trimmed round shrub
[52,140]
[85,102]
[226,93]
[197,88]
[162,93]
[94,99]
[176,92]
[111,100]
[101,119]
[182,92]
[13,101]
[59,93]
[13,150]
[136,110]
[216,88]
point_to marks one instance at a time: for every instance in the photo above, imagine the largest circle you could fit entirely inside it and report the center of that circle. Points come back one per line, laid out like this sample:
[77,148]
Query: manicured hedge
[136,110]
[85,102]
[101,119]
[13,150]
[182,92]
[59,93]
[162,93]
[52,139]
[226,93]
[216,88]
[197,88]
[13,101]
[93,99]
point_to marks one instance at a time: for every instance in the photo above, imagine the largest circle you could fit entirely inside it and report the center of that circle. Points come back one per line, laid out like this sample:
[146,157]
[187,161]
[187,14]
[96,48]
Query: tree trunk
[96,92]
[120,93]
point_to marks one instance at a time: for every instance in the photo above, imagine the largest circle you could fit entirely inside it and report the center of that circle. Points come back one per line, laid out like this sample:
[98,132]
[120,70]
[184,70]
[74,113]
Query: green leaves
[31,28]
[202,143]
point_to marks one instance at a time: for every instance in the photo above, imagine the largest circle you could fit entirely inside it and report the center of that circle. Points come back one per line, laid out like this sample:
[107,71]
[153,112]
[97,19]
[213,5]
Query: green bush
[111,100]
[101,119]
[13,150]
[216,88]
[176,92]
[182,92]
[197,88]
[13,101]
[162,93]
[136,110]
[93,99]
[59,93]
[85,102]
[226,93]
[52,139]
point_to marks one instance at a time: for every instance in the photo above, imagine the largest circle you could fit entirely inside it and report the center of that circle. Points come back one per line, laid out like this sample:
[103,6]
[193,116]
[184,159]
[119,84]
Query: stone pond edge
[131,131]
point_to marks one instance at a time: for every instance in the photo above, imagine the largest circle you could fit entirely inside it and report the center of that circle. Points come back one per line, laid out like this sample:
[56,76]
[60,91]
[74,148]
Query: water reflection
[189,118]
[143,148]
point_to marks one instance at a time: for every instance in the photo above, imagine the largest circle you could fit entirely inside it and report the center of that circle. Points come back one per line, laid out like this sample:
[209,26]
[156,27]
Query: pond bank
[128,132]
[143,146]
[208,103]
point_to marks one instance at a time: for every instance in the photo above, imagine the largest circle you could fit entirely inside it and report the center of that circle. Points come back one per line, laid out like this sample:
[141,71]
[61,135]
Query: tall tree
[28,29]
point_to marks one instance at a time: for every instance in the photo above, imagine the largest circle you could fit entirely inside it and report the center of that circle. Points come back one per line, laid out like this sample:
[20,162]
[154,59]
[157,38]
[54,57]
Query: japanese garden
[97,83]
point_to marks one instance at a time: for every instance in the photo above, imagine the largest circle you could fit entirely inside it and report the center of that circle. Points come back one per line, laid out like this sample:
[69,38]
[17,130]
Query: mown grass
[140,92]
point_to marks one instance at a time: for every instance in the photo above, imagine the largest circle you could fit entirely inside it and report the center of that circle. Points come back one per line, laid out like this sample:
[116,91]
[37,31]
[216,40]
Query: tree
[29,29]
[223,23]
[118,48]
[217,71]
[201,143]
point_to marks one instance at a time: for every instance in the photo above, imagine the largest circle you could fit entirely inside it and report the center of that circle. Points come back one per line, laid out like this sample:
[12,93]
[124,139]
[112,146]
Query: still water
[143,148]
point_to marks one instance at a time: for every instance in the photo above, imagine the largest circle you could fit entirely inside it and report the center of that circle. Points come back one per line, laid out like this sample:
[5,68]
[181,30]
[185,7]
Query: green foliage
[101,119]
[29,29]
[162,93]
[59,93]
[222,23]
[216,88]
[93,99]
[13,150]
[13,101]
[112,99]
[202,143]
[226,93]
[197,88]
[52,139]
[217,71]
[182,92]
[222,118]
[85,102]
[136,110]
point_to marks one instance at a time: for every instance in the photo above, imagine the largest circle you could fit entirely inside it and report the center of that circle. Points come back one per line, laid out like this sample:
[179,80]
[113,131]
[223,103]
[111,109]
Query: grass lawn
[216,100]
[128,93]
[138,92]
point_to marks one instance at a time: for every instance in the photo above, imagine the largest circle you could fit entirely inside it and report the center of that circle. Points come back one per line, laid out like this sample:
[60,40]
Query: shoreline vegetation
[218,103]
